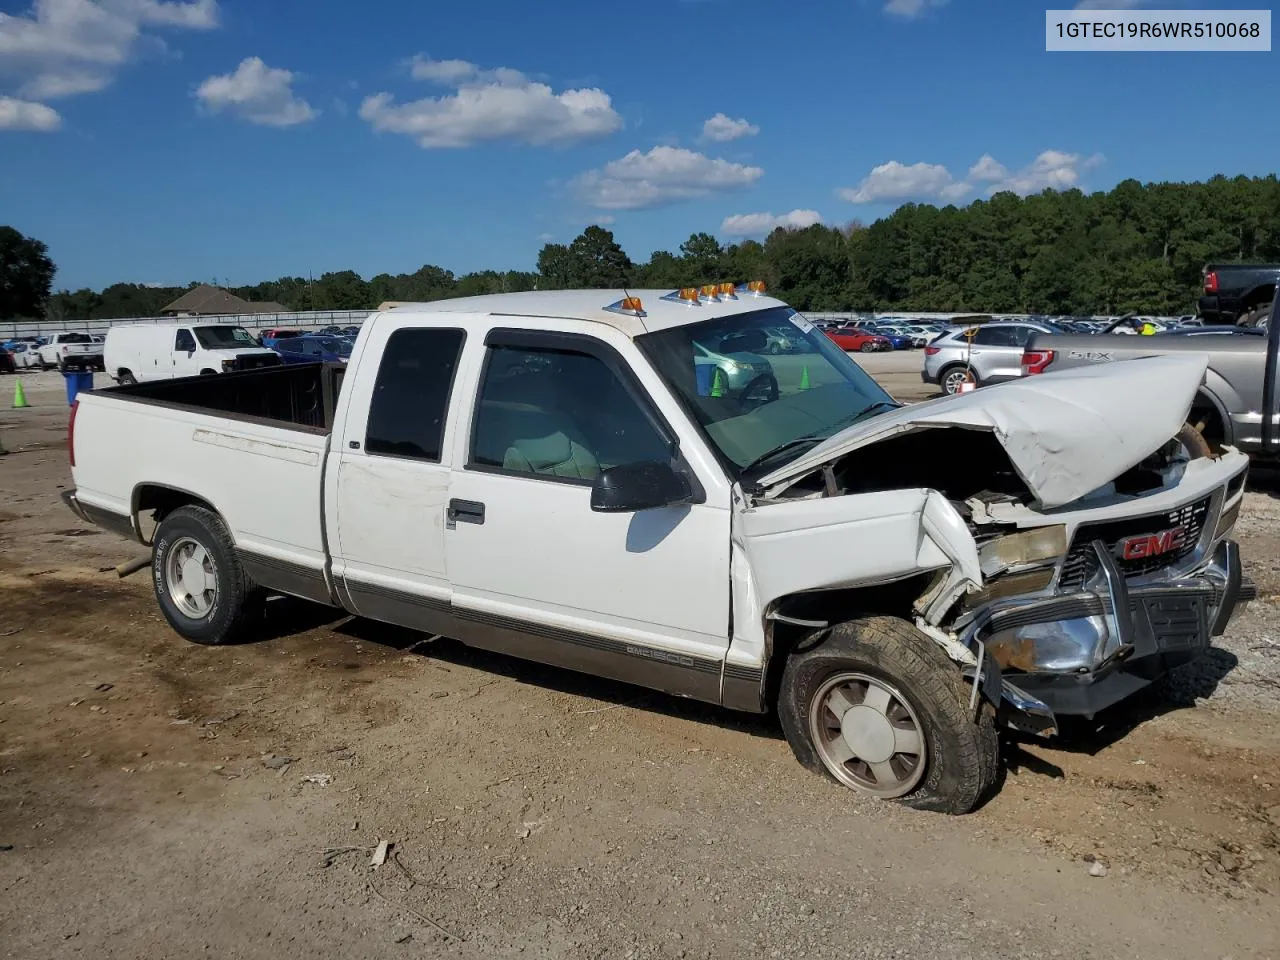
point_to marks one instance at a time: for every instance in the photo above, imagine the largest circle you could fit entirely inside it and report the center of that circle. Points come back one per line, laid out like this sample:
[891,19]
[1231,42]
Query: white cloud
[1052,170]
[605,220]
[25,115]
[987,170]
[721,128]
[897,181]
[257,93]
[910,9]
[894,181]
[662,176]
[759,224]
[489,105]
[64,47]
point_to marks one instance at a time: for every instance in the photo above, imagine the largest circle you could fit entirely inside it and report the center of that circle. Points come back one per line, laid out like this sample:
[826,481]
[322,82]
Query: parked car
[1238,293]
[25,356]
[351,332]
[737,368]
[268,338]
[859,339]
[778,341]
[314,348]
[139,352]
[981,355]
[1227,405]
[71,351]
[7,363]
[532,473]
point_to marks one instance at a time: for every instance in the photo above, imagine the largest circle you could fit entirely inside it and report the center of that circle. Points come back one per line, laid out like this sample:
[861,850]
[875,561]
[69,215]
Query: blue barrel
[704,374]
[77,380]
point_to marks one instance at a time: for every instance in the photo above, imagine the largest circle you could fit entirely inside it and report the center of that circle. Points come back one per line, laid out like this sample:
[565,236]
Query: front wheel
[878,707]
[199,583]
[868,347]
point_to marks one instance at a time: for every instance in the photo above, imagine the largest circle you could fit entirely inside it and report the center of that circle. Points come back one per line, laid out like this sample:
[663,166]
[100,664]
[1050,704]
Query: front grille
[255,361]
[1081,562]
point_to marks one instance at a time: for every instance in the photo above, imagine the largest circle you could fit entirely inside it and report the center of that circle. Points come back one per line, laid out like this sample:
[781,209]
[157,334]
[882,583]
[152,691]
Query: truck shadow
[609,693]
[1181,690]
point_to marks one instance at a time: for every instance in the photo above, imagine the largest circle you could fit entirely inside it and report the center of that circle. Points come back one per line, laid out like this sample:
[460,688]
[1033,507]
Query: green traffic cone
[804,378]
[19,396]
[717,384]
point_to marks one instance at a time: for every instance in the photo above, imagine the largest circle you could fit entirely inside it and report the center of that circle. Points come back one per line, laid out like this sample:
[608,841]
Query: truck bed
[252,442]
[300,396]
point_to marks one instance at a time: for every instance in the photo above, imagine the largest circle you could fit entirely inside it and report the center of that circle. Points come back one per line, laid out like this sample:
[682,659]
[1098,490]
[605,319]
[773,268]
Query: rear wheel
[125,378]
[199,583]
[954,377]
[1254,315]
[878,707]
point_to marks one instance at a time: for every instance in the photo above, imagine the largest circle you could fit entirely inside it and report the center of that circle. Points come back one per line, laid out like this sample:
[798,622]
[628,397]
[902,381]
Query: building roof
[590,305]
[209,301]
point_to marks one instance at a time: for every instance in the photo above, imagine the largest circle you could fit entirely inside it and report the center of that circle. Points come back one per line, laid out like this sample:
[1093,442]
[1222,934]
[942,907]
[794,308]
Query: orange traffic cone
[19,396]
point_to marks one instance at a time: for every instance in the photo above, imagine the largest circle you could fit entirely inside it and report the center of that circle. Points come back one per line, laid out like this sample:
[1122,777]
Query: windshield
[216,338]
[758,404]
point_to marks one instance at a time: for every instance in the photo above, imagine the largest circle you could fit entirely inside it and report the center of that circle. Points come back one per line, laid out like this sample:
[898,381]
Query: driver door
[185,363]
[640,596]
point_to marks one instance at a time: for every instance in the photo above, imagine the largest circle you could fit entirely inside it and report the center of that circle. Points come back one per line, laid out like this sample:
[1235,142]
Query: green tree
[556,268]
[703,258]
[26,275]
[597,261]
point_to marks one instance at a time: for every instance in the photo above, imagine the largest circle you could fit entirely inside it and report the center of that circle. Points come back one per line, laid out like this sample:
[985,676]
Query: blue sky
[162,142]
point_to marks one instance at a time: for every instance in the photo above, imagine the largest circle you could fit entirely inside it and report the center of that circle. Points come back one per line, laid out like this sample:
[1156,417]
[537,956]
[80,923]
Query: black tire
[962,755]
[868,347]
[954,368]
[126,378]
[236,599]
[1254,315]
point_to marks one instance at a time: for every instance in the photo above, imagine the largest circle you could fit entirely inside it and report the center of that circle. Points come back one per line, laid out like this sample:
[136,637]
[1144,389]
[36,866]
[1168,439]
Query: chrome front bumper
[1082,652]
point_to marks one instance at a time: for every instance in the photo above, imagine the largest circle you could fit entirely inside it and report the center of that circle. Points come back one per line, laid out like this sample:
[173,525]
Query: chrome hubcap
[955,379]
[868,735]
[191,578]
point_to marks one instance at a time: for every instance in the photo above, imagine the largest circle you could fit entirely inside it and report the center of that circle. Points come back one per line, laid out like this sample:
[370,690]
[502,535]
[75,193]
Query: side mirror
[191,352]
[639,486]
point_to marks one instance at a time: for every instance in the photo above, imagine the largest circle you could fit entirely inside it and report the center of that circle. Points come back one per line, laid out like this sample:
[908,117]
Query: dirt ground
[161,799]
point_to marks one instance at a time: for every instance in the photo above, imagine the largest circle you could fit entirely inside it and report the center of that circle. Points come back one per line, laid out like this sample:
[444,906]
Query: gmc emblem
[1152,544]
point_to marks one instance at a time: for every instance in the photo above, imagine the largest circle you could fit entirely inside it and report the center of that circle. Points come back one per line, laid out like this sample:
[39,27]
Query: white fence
[251,321]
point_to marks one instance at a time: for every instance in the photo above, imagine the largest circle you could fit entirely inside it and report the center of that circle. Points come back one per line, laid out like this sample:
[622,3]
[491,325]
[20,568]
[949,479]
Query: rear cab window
[410,402]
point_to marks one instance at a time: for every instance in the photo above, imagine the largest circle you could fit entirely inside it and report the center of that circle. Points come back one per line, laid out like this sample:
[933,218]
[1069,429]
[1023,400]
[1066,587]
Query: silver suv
[984,354]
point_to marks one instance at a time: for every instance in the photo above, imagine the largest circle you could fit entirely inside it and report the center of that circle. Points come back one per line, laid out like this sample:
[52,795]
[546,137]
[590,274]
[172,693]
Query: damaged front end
[1060,577]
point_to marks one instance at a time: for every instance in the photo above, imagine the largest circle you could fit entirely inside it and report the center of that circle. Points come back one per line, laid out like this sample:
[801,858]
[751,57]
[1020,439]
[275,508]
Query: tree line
[1139,247]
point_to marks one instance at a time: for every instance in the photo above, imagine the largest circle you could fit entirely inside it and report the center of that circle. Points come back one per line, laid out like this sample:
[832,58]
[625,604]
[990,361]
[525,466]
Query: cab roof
[592,305]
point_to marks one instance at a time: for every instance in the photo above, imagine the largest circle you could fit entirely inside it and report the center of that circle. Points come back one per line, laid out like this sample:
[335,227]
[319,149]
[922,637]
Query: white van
[138,352]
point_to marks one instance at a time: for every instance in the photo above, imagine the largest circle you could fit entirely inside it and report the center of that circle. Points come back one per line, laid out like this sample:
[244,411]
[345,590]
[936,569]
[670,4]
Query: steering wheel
[766,380]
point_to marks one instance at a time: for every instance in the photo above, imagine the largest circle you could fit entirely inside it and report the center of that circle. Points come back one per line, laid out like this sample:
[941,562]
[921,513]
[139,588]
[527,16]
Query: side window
[183,341]
[994,337]
[558,414]
[411,395]
[1023,335]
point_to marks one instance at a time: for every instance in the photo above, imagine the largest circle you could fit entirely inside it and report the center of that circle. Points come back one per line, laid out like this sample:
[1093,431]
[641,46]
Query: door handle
[466,511]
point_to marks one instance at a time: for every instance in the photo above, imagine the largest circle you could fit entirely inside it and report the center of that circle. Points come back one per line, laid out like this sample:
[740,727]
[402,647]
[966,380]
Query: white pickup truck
[71,351]
[624,484]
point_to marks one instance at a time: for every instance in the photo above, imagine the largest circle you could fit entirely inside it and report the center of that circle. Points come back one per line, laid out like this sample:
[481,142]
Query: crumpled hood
[1066,433]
